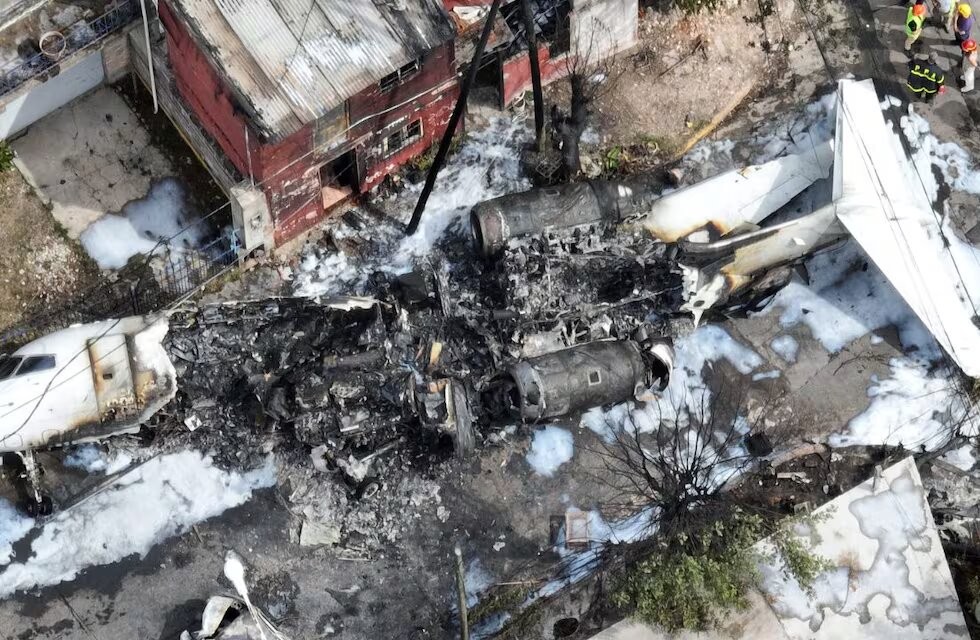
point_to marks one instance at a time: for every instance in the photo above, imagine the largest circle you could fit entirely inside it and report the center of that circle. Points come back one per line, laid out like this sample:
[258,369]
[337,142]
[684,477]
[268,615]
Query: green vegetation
[612,160]
[697,6]
[692,579]
[523,624]
[508,599]
[973,591]
[6,156]
[658,144]
[423,162]
[500,599]
[799,561]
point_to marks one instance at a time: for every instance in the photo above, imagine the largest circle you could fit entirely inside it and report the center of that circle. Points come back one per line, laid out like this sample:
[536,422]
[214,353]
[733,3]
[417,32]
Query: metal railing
[77,38]
[150,282]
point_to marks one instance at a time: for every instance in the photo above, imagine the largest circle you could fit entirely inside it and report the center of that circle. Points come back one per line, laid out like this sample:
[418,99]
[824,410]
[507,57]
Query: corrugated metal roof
[293,61]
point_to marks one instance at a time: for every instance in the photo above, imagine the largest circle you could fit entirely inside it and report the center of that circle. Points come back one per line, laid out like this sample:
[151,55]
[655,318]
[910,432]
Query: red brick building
[313,101]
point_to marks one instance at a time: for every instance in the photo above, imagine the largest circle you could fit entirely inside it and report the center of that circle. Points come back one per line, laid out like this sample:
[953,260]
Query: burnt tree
[591,70]
[535,65]
[681,454]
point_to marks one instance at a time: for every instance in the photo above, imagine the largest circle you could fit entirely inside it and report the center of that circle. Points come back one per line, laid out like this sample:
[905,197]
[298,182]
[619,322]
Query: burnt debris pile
[345,374]
[596,283]
[552,325]
[427,363]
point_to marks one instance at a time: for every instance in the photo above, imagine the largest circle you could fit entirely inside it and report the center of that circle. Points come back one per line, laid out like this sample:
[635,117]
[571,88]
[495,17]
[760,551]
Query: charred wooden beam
[447,137]
[532,54]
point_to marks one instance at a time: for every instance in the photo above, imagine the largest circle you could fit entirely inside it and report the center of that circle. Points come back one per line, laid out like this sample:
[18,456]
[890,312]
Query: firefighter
[969,65]
[913,24]
[963,23]
[944,11]
[926,78]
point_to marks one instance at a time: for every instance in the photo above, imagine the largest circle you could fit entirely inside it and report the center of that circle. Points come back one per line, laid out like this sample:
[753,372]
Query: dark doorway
[487,90]
[338,179]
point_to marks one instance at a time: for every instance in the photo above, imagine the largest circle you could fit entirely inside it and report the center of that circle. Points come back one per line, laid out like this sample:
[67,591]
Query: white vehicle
[80,384]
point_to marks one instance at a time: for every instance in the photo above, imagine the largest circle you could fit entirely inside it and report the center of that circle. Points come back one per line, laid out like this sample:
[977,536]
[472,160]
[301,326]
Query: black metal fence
[79,37]
[150,282]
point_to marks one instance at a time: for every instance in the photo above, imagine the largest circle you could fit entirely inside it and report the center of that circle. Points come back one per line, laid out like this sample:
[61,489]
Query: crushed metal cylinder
[579,378]
[494,222]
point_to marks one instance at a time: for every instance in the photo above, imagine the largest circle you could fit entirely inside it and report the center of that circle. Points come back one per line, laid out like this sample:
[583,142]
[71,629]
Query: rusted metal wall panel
[429,96]
[205,94]
[434,116]
[374,109]
[293,61]
[517,73]
[330,132]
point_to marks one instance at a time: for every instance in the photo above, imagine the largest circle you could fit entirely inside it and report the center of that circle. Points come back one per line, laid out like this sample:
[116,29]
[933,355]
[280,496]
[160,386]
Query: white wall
[604,27]
[41,99]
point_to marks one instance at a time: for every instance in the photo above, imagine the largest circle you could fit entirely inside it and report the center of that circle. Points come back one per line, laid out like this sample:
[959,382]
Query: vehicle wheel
[39,509]
[368,488]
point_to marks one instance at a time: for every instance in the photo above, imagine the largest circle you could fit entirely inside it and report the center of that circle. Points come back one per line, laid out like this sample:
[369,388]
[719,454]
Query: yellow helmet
[964,10]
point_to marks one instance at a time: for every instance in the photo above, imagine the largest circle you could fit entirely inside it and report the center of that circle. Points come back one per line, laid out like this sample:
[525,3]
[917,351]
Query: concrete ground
[406,592]
[90,158]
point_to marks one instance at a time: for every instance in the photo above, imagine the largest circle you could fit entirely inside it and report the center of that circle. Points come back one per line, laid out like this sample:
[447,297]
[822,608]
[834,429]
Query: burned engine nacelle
[581,377]
[494,222]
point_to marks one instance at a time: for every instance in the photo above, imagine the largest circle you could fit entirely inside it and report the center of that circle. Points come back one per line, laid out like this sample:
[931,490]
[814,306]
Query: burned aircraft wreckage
[347,378]
[565,312]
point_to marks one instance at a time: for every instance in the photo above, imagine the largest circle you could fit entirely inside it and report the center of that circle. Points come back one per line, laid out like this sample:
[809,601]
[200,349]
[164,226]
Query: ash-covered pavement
[842,353]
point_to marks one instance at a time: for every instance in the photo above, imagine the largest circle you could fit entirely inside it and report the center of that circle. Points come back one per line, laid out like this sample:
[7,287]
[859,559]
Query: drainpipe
[248,153]
[149,55]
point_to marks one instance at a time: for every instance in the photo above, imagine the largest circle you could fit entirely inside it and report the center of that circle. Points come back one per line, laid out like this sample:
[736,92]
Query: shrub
[800,563]
[6,156]
[423,161]
[691,579]
[696,6]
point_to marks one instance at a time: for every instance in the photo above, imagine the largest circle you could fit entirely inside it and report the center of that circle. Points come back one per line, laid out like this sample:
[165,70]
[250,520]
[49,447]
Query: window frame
[3,362]
[49,361]
[403,137]
[400,75]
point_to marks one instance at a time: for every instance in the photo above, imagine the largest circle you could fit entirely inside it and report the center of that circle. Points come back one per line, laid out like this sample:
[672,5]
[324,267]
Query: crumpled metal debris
[234,618]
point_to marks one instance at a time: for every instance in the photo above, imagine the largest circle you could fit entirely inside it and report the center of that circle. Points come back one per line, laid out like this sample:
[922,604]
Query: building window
[392,80]
[403,137]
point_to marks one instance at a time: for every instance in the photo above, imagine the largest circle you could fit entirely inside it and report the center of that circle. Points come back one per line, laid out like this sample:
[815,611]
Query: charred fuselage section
[428,358]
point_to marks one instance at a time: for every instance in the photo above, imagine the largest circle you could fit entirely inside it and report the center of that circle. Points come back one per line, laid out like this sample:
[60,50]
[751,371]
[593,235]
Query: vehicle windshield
[33,364]
[7,366]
